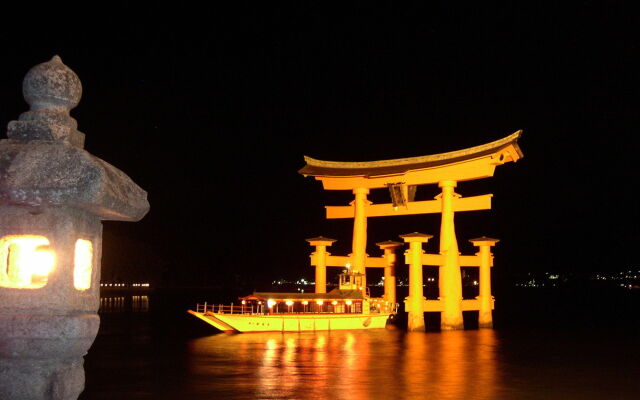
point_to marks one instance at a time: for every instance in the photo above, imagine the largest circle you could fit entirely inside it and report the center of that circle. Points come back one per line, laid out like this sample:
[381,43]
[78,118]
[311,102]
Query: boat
[346,307]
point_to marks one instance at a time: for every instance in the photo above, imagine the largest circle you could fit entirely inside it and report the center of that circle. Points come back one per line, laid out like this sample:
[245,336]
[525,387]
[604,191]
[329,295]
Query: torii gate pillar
[485,317]
[389,248]
[450,279]
[359,247]
[319,259]
[415,301]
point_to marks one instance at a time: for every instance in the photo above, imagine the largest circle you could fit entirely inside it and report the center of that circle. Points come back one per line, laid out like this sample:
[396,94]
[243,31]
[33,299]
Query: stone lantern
[53,196]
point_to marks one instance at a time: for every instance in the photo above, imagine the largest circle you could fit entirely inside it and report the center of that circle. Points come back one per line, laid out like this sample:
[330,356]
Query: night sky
[211,111]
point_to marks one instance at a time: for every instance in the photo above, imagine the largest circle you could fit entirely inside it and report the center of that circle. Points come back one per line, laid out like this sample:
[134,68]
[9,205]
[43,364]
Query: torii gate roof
[396,166]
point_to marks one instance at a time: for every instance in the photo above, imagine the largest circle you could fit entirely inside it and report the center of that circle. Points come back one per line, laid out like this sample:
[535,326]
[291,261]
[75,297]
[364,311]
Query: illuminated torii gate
[401,177]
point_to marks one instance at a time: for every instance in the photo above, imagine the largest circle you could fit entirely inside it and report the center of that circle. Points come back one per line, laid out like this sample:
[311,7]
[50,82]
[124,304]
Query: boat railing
[226,309]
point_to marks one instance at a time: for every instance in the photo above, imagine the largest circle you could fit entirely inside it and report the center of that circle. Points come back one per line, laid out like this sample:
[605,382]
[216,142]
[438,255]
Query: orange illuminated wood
[471,261]
[342,261]
[432,259]
[466,305]
[338,261]
[376,262]
[472,203]
[502,150]
[436,260]
[462,165]
[465,171]
[432,306]
[474,304]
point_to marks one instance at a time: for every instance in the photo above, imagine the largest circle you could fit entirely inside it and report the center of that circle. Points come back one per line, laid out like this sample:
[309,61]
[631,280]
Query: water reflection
[118,304]
[153,355]
[450,365]
[380,364]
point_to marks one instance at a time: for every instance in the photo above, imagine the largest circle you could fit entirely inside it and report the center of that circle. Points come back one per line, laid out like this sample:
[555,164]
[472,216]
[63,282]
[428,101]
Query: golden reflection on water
[376,364]
[450,365]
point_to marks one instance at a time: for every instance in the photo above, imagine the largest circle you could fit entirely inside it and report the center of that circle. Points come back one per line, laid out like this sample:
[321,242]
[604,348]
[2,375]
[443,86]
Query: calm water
[157,352]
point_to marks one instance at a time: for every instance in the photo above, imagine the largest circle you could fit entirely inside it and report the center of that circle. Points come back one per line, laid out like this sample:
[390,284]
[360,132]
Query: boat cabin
[350,280]
[336,301]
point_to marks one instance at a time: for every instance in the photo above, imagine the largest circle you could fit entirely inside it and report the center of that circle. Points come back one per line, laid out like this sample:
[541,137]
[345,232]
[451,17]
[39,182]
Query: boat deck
[291,322]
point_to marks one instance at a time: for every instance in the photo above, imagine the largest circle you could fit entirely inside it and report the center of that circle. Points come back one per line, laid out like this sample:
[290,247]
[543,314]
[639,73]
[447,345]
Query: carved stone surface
[51,187]
[56,173]
[52,90]
[43,161]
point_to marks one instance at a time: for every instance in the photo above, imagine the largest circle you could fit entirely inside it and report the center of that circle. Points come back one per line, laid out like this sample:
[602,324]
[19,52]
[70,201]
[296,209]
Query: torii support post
[485,317]
[319,260]
[450,279]
[359,246]
[389,247]
[415,302]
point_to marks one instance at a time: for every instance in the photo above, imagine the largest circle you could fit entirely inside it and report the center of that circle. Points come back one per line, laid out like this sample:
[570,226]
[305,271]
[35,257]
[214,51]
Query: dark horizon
[212,114]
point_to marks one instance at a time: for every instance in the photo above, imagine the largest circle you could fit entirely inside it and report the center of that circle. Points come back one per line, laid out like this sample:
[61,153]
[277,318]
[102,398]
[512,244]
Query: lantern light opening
[25,261]
[83,264]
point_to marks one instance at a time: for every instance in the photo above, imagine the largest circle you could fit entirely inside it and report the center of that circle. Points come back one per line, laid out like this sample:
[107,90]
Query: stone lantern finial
[51,89]
[52,85]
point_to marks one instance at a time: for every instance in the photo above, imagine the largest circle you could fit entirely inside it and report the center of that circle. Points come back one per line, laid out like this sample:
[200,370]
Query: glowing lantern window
[25,261]
[82,264]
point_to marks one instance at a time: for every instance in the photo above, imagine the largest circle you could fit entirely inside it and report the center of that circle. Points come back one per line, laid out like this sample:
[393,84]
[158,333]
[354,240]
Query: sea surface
[547,345]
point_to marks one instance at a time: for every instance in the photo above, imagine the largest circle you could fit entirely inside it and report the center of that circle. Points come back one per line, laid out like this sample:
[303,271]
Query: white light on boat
[244,302]
[348,302]
[348,266]
[334,302]
[319,302]
[304,303]
[271,303]
[289,302]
